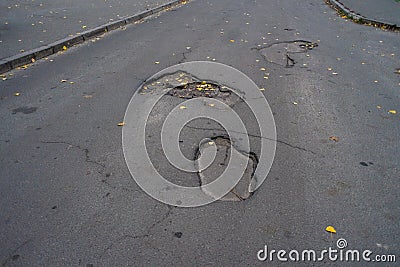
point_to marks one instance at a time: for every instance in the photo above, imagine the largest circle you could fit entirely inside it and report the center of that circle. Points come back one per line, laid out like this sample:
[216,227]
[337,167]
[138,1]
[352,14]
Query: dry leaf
[232,41]
[64,48]
[330,229]
[157,62]
[121,124]
[334,138]
[182,107]
[17,94]
[392,111]
[63,81]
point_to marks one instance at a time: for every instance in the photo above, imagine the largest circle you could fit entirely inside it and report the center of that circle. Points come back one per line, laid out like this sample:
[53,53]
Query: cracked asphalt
[67,197]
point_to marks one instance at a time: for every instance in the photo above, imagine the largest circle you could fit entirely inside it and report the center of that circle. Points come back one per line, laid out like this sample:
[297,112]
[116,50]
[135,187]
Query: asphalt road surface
[26,25]
[68,199]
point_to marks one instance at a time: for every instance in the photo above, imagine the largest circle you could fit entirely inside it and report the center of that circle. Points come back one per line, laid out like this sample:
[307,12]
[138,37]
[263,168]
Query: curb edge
[358,18]
[18,60]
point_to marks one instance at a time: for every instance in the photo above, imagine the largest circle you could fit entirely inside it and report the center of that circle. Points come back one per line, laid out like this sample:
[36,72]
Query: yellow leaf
[262,89]
[203,82]
[232,41]
[17,94]
[182,107]
[212,105]
[63,81]
[64,48]
[157,62]
[330,229]
[334,138]
[71,82]
[262,69]
[121,124]
[392,111]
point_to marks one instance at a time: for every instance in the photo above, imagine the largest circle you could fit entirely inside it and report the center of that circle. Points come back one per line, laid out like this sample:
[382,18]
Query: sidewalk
[383,10]
[26,25]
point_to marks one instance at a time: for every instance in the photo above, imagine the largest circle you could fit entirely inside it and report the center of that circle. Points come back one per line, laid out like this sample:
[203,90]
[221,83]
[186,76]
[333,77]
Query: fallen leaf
[63,81]
[330,229]
[378,107]
[262,69]
[87,96]
[211,143]
[334,138]
[232,41]
[64,48]
[295,103]
[182,107]
[17,94]
[262,89]
[392,111]
[33,60]
[157,62]
[71,82]
[121,124]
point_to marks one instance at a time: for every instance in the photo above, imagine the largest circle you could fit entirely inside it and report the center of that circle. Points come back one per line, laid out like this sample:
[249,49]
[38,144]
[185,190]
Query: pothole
[200,89]
[289,53]
[244,188]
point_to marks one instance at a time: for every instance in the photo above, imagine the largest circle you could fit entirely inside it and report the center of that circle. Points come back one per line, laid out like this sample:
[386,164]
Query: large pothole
[179,87]
[246,184]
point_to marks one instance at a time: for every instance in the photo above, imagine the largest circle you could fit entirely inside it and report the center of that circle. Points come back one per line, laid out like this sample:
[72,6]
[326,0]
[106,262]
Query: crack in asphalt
[258,48]
[257,136]
[12,254]
[147,232]
[85,150]
[89,160]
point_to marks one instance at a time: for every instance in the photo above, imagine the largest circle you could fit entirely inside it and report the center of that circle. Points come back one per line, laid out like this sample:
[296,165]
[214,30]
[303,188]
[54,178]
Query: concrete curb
[358,18]
[30,56]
